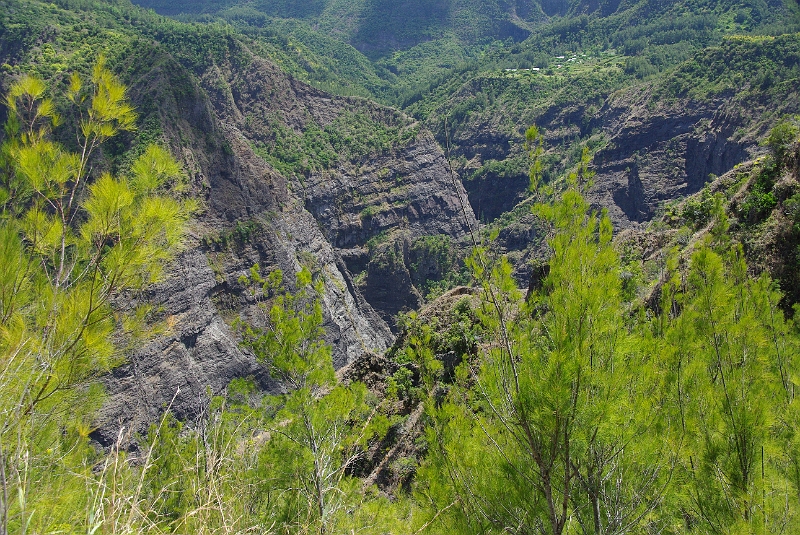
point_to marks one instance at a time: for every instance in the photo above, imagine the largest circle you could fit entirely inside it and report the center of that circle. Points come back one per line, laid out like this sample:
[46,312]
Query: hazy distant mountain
[377,27]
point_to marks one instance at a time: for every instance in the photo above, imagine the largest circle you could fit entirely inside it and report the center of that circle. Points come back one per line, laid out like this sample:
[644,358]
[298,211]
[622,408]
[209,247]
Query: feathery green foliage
[558,407]
[586,415]
[577,409]
[319,428]
[70,244]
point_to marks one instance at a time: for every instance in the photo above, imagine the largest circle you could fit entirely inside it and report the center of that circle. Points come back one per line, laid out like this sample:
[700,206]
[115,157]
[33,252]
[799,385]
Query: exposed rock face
[768,234]
[410,189]
[491,196]
[252,214]
[656,151]
[198,353]
[659,152]
[388,281]
[653,141]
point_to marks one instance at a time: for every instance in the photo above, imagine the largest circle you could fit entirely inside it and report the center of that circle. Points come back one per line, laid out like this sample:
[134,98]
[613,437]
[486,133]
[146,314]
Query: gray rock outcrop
[213,118]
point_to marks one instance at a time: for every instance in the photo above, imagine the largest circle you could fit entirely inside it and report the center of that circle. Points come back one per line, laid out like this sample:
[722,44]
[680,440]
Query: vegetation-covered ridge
[577,408]
[643,383]
[414,47]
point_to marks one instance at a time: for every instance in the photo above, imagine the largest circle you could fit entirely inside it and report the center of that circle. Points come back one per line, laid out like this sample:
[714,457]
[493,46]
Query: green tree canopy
[70,242]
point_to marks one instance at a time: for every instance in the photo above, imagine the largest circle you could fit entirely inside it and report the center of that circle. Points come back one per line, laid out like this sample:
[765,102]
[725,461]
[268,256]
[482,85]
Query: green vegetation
[698,211]
[363,24]
[427,47]
[617,396]
[761,200]
[435,265]
[739,62]
[71,243]
[239,235]
[319,429]
[349,138]
[581,414]
[575,409]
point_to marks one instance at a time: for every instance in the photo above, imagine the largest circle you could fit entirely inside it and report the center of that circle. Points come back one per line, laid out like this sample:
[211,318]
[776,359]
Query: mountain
[702,118]
[361,194]
[663,96]
[412,45]
[287,175]
[377,27]
[344,341]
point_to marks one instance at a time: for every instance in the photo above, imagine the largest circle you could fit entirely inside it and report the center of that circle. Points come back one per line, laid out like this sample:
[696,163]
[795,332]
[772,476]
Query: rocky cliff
[651,148]
[216,117]
[652,140]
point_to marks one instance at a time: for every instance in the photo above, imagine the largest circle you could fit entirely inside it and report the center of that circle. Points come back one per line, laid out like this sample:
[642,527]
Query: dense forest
[477,275]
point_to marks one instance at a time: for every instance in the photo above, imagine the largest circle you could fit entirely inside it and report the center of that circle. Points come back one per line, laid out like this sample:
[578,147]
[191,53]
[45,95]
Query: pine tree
[319,428]
[70,243]
[549,428]
[734,389]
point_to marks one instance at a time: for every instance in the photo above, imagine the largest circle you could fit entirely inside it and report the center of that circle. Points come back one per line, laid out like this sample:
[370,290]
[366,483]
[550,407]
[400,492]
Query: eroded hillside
[250,139]
[291,176]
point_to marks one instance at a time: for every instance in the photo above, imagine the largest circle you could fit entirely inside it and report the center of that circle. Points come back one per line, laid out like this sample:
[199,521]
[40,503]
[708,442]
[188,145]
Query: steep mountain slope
[621,354]
[567,77]
[407,43]
[756,203]
[378,27]
[232,118]
[361,194]
[652,140]
[570,74]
